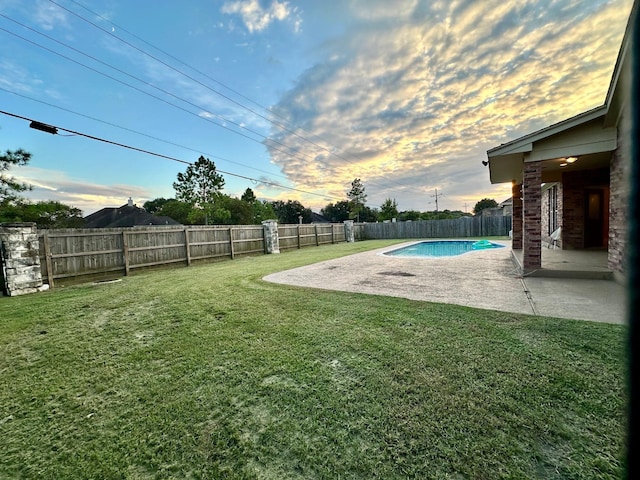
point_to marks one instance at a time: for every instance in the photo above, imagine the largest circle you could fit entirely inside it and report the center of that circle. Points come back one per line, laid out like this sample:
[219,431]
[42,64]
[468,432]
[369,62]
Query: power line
[264,137]
[141,133]
[188,76]
[53,129]
[329,151]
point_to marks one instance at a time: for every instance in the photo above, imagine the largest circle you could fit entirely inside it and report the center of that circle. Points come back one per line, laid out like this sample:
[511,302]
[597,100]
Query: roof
[125,216]
[517,145]
[590,134]
[317,218]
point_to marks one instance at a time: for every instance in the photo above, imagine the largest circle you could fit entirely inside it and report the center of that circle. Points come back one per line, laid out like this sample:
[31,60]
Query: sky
[407,95]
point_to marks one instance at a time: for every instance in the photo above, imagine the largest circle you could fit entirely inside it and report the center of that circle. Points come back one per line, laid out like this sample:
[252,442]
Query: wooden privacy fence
[298,236]
[72,253]
[477,226]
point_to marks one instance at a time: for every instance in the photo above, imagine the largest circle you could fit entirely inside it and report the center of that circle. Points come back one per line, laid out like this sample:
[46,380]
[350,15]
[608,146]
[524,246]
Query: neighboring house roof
[317,218]
[592,133]
[125,216]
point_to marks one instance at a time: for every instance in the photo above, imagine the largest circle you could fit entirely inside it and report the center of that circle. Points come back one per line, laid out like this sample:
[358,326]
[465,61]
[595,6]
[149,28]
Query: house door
[594,221]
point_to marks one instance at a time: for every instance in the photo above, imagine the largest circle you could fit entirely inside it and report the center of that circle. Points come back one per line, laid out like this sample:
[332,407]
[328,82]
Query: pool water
[448,248]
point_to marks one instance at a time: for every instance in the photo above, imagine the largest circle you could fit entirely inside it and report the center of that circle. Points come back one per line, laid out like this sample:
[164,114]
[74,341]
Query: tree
[200,186]
[409,215]
[289,212]
[368,214]
[240,212]
[46,214]
[177,210]
[484,204]
[155,205]
[389,209]
[338,212]
[248,196]
[262,210]
[357,197]
[9,186]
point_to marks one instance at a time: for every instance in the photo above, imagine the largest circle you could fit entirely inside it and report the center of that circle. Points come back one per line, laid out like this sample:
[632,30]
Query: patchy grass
[209,372]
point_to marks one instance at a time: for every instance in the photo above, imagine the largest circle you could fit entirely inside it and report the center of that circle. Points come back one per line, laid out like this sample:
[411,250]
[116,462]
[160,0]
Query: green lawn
[209,372]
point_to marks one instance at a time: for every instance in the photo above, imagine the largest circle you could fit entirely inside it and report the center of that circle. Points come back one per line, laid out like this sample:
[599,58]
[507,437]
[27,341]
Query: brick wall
[20,260]
[531,235]
[516,211]
[619,196]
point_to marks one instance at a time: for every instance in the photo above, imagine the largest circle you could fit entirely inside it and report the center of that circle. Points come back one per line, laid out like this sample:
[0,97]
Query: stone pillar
[516,216]
[349,233]
[20,260]
[271,239]
[532,214]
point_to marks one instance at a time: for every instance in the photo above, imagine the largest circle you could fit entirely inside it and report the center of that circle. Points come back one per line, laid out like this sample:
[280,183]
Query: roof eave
[525,143]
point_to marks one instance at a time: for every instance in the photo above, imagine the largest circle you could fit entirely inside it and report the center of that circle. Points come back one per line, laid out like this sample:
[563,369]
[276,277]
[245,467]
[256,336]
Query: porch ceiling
[586,139]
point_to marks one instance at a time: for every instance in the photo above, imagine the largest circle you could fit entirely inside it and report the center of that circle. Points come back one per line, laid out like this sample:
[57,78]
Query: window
[553,209]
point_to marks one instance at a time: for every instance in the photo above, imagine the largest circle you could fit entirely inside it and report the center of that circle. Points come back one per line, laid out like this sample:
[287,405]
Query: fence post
[47,257]
[298,236]
[125,252]
[271,239]
[333,235]
[20,259]
[316,232]
[231,242]
[348,231]
[187,246]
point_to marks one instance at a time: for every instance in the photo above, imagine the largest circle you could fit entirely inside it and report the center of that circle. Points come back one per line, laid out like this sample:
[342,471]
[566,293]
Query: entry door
[594,218]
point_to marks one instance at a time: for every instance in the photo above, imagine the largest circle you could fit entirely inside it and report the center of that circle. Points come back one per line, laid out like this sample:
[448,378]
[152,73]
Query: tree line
[199,199]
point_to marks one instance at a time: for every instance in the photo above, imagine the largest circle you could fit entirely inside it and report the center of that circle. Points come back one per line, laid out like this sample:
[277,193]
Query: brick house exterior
[574,175]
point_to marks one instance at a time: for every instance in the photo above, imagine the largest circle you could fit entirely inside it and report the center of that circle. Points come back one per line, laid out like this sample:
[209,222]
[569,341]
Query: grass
[209,372]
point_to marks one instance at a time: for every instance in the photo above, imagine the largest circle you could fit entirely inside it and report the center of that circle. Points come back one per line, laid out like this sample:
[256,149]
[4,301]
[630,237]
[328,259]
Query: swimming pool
[442,248]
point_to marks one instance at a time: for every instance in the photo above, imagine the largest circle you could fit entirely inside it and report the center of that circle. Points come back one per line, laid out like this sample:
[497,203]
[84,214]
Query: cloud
[256,18]
[413,105]
[376,10]
[87,196]
[49,16]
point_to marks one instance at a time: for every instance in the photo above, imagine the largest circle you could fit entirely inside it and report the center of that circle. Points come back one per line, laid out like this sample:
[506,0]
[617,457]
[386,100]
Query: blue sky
[407,94]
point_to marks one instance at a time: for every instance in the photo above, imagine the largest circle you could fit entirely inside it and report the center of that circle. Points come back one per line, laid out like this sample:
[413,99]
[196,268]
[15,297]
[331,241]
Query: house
[574,174]
[506,205]
[128,215]
[317,218]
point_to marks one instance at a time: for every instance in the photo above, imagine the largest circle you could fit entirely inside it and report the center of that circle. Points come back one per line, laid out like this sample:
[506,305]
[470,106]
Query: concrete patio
[557,263]
[482,279]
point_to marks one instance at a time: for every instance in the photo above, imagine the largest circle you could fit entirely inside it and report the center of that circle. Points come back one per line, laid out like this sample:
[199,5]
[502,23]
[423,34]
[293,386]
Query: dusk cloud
[88,197]
[433,92]
[255,17]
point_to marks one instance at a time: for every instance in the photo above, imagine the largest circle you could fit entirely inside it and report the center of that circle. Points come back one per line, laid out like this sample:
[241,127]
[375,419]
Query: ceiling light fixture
[564,164]
[571,159]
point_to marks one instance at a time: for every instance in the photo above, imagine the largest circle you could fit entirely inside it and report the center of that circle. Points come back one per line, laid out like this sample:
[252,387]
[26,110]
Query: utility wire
[264,137]
[279,125]
[145,92]
[53,129]
[141,133]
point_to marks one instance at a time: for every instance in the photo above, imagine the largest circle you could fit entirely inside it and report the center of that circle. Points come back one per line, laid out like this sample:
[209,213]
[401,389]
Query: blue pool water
[449,248]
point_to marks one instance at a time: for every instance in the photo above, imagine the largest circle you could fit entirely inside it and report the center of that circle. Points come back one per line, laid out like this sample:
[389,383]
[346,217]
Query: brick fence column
[516,216]
[271,238]
[532,214]
[20,252]
[349,234]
